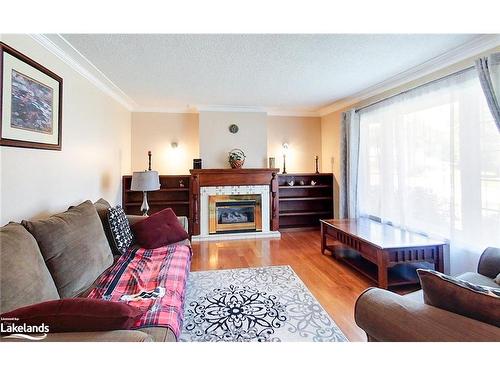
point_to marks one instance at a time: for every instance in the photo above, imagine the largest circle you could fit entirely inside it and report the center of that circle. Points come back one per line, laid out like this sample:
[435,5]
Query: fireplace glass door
[235,213]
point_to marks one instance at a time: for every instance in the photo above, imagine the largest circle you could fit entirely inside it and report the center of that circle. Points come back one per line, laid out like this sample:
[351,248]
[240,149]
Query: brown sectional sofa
[387,316]
[59,265]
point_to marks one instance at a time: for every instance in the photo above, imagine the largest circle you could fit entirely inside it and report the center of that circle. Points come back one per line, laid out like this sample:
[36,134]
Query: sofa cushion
[73,246]
[77,315]
[120,335]
[21,269]
[461,297]
[160,229]
[101,207]
[159,334]
[119,226]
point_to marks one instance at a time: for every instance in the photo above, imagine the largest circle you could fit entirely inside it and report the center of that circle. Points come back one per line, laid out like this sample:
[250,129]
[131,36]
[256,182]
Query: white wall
[216,141]
[303,135]
[95,149]
[155,132]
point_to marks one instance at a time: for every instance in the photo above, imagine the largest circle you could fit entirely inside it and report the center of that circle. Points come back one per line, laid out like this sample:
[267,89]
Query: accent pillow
[497,279]
[160,229]
[119,227]
[77,315]
[461,297]
[73,246]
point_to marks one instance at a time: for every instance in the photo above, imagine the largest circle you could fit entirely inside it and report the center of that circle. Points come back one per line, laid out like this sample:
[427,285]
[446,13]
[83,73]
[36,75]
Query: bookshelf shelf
[301,206]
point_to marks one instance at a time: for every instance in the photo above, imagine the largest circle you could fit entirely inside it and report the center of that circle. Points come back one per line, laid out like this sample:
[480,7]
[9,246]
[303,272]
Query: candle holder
[285,151]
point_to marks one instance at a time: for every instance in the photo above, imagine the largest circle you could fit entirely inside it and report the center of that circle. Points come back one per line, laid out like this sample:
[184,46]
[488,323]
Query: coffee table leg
[382,276]
[439,262]
[323,238]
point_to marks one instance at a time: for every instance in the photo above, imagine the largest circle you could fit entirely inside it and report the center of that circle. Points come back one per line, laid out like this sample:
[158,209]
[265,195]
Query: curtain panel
[430,162]
[488,70]
[349,157]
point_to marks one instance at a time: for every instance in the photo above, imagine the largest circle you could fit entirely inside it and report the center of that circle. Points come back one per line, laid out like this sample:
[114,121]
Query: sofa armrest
[183,220]
[489,263]
[104,336]
[386,316]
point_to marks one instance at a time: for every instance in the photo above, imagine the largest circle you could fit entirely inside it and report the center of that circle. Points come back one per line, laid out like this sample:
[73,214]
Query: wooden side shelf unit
[302,206]
[171,195]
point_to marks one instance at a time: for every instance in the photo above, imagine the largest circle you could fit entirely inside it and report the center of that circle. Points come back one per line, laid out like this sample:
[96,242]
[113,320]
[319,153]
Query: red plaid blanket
[153,280]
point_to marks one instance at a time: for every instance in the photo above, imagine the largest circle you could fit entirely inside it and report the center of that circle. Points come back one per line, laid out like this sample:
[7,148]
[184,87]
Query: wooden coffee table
[387,255]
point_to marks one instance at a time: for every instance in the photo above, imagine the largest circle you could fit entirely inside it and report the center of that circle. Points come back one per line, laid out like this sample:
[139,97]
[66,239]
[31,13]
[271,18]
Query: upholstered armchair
[387,316]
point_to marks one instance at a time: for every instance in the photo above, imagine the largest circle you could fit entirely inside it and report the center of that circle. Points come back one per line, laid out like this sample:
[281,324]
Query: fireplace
[255,213]
[235,213]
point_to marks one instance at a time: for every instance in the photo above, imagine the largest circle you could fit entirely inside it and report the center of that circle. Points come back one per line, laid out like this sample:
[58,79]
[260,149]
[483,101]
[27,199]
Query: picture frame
[30,101]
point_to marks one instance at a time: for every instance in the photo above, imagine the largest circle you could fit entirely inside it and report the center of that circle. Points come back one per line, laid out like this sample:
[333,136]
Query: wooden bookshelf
[302,206]
[171,195]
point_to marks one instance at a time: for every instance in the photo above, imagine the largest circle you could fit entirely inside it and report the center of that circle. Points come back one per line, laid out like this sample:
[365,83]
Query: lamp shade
[145,181]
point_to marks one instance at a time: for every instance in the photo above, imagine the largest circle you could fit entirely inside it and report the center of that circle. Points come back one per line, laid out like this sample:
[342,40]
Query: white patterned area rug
[254,304]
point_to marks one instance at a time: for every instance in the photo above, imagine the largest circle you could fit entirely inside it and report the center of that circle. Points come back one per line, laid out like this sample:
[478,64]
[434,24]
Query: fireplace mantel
[226,177]
[233,177]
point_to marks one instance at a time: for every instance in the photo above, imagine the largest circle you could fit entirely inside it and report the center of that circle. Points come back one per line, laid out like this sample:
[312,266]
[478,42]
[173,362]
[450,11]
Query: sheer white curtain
[430,161]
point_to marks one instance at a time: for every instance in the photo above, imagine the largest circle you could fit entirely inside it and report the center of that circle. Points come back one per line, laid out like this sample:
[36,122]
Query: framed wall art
[31,102]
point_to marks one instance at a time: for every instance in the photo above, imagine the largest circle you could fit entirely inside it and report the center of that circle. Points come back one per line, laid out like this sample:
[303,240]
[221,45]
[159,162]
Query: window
[430,162]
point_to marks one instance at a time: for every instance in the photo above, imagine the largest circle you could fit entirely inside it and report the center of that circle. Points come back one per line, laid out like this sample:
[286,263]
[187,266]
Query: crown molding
[292,113]
[181,110]
[230,108]
[198,109]
[61,48]
[268,110]
[467,50]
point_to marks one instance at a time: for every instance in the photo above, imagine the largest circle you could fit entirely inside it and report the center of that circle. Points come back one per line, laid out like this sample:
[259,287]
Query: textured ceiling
[285,72]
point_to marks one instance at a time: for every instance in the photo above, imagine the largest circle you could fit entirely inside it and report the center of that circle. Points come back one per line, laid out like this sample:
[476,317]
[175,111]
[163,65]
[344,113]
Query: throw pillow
[461,297]
[74,248]
[119,227]
[497,279]
[77,315]
[160,229]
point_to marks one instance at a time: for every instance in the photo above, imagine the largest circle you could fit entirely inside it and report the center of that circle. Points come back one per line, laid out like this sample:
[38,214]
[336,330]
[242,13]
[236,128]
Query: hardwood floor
[334,284]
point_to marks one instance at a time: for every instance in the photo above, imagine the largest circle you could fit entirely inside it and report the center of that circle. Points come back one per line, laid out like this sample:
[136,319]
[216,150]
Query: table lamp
[145,181]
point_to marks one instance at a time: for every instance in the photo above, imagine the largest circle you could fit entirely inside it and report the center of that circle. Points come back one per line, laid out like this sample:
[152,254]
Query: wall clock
[233,128]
